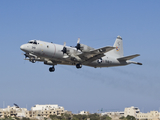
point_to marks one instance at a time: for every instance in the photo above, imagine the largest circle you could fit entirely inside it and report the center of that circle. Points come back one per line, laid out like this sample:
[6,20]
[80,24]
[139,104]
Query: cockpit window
[33,42]
[30,42]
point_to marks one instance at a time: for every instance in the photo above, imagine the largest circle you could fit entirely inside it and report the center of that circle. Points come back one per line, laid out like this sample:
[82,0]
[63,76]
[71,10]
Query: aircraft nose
[22,47]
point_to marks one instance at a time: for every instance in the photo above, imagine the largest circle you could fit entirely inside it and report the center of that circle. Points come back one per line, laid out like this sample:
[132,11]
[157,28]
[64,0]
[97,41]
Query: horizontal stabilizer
[129,57]
[138,63]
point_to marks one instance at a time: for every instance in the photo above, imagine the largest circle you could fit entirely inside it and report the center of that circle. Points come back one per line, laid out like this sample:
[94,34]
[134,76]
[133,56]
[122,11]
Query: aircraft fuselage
[53,54]
[52,51]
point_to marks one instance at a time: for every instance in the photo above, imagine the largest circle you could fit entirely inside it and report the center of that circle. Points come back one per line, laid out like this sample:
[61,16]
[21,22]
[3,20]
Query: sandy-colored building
[114,115]
[132,111]
[46,110]
[14,112]
[38,111]
[153,115]
[84,113]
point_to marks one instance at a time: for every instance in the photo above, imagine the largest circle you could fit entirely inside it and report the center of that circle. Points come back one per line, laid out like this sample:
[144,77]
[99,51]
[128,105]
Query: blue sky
[97,23]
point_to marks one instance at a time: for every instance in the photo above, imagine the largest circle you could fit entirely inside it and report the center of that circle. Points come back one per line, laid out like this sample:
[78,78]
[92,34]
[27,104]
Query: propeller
[78,46]
[64,48]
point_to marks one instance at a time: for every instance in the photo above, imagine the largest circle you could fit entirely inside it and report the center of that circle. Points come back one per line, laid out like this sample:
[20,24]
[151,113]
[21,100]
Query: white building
[46,107]
[153,115]
[114,115]
[132,111]
[46,110]
[84,112]
[14,112]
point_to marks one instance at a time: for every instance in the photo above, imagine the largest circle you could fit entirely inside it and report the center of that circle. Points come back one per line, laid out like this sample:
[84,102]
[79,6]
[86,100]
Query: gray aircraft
[53,54]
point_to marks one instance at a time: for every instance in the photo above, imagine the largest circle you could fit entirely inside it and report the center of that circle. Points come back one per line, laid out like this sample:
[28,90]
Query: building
[114,115]
[132,111]
[14,112]
[45,107]
[153,115]
[46,110]
[38,111]
[84,113]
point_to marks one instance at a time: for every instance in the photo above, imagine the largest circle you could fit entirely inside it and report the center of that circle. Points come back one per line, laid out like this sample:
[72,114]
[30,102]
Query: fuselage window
[47,46]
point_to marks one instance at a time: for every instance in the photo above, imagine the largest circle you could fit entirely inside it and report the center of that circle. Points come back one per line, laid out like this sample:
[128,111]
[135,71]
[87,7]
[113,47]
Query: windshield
[33,42]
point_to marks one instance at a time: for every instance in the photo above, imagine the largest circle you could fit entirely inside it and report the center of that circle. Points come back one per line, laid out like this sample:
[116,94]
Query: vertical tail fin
[118,52]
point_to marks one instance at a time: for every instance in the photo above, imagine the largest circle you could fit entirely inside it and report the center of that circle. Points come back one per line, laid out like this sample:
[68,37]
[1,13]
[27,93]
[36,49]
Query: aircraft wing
[90,56]
[129,57]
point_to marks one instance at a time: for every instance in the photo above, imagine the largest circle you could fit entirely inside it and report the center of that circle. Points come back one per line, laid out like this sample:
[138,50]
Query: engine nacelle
[85,48]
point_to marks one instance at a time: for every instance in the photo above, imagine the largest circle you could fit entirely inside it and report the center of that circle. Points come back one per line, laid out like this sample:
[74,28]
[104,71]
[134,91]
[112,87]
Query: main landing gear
[32,59]
[79,66]
[52,69]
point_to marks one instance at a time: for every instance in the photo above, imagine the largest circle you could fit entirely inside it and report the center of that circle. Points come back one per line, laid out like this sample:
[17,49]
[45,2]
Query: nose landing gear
[52,69]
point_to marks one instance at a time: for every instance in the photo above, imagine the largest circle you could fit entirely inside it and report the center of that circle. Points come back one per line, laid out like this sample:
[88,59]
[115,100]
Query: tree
[67,116]
[94,116]
[122,117]
[130,117]
[105,117]
[25,118]
[53,117]
[17,118]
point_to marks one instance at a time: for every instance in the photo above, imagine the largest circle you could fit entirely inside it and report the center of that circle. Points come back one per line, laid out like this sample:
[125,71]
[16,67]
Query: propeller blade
[78,41]
[64,44]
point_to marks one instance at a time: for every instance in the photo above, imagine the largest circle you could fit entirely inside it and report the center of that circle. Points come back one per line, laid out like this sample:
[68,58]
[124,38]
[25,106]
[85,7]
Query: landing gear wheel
[33,61]
[51,69]
[79,66]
